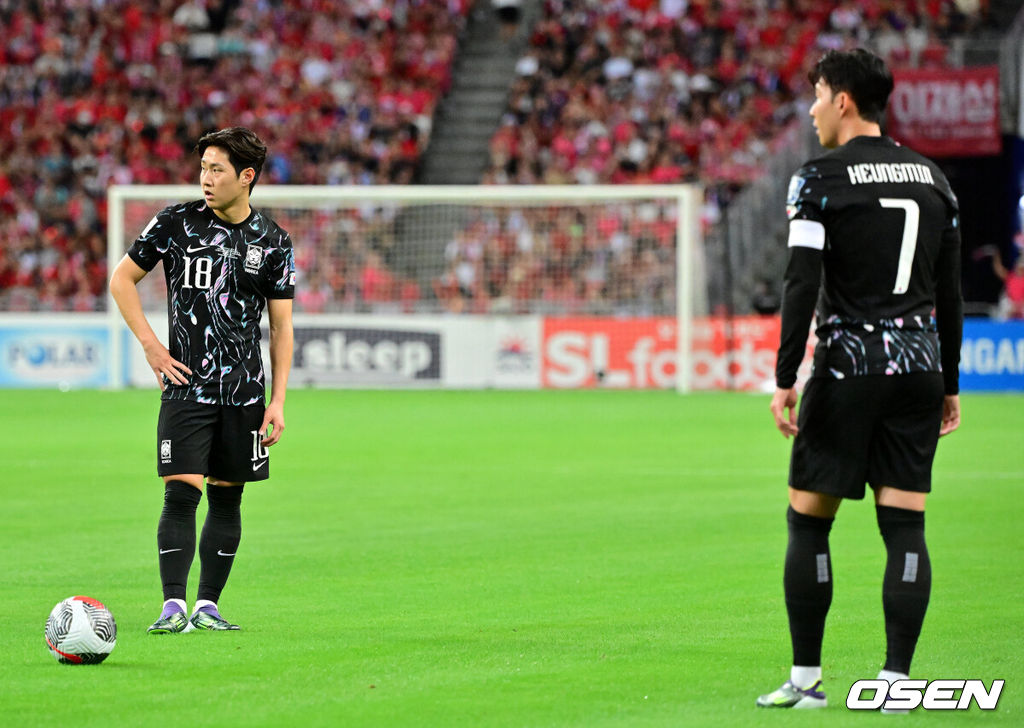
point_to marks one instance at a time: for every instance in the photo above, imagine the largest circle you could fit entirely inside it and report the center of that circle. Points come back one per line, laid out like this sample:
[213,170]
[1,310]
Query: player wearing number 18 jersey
[875,246]
[224,263]
[220,275]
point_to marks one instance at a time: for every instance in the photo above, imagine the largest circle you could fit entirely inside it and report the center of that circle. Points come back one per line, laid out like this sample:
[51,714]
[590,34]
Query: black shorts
[215,440]
[881,430]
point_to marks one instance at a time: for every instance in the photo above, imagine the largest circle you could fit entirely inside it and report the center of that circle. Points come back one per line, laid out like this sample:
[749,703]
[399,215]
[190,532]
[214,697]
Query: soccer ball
[80,631]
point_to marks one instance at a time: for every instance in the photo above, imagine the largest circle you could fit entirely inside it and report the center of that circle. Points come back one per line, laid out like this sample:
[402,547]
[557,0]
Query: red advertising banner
[946,112]
[640,353]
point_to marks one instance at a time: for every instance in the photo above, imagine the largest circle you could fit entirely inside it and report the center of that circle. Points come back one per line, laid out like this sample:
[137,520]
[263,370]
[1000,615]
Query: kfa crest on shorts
[253,258]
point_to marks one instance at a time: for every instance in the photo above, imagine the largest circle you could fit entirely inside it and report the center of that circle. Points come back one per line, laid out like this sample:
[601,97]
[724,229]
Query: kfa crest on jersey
[253,259]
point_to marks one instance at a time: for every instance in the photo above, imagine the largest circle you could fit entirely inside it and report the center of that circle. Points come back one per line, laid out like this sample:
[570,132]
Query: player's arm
[799,296]
[949,318]
[123,288]
[282,340]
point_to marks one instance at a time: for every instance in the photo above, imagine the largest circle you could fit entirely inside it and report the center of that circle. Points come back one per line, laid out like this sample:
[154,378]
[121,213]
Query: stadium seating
[655,92]
[631,91]
[118,92]
[644,92]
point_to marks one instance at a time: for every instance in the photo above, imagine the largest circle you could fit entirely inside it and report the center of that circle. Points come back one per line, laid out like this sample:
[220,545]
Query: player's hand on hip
[950,414]
[273,424]
[166,367]
[784,411]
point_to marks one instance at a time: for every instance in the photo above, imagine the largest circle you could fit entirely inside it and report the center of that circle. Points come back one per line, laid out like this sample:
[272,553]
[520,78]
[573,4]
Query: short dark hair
[859,73]
[244,149]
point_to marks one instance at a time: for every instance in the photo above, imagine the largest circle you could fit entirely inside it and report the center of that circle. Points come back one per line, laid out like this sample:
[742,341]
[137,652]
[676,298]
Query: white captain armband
[806,234]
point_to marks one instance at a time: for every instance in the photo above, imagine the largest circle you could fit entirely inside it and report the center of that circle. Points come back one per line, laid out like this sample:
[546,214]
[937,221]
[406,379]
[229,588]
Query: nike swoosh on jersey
[200,249]
[167,551]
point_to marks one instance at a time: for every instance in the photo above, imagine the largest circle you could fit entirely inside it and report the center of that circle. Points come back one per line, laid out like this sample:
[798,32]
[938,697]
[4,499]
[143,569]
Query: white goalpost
[465,253]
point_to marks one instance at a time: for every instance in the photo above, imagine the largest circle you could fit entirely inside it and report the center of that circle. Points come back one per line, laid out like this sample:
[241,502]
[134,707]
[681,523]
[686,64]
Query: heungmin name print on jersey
[866,173]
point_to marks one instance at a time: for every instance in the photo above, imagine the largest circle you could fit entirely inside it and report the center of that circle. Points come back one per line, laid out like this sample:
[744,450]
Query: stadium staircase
[466,119]
[458,151]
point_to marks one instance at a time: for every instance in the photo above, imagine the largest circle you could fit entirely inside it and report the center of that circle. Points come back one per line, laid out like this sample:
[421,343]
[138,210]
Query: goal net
[558,252]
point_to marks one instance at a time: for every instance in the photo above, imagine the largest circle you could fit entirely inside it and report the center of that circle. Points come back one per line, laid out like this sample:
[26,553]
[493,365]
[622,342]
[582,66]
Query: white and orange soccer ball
[80,631]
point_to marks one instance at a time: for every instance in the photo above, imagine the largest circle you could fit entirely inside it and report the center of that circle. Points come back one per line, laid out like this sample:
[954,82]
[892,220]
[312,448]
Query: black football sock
[176,536]
[219,541]
[907,584]
[808,585]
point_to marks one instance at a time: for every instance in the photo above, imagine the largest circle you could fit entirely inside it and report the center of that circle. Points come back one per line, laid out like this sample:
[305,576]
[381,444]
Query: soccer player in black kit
[874,245]
[224,263]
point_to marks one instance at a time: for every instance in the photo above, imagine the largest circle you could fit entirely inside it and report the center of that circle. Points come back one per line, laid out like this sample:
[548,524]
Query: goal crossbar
[686,198]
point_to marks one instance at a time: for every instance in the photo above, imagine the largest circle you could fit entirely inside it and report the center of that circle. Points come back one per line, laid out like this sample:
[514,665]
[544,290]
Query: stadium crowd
[669,91]
[599,259]
[100,92]
[94,93]
[648,91]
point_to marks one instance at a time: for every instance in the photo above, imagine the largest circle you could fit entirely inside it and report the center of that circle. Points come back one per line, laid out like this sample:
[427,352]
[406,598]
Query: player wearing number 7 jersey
[224,263]
[874,244]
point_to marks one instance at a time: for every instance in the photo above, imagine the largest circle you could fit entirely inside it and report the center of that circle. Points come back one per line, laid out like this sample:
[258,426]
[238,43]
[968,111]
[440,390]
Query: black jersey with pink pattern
[219,278]
[876,251]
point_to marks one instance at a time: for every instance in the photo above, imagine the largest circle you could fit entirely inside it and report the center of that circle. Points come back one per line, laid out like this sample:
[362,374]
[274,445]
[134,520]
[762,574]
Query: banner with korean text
[946,112]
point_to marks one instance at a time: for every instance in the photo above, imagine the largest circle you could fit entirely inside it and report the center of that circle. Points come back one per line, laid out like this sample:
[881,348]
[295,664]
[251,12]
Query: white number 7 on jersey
[909,243]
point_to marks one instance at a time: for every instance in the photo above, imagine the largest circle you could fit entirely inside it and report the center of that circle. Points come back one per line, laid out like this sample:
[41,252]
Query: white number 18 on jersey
[203,273]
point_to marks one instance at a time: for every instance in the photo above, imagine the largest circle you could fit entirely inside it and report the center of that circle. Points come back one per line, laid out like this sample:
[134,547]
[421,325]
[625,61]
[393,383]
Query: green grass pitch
[489,559]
